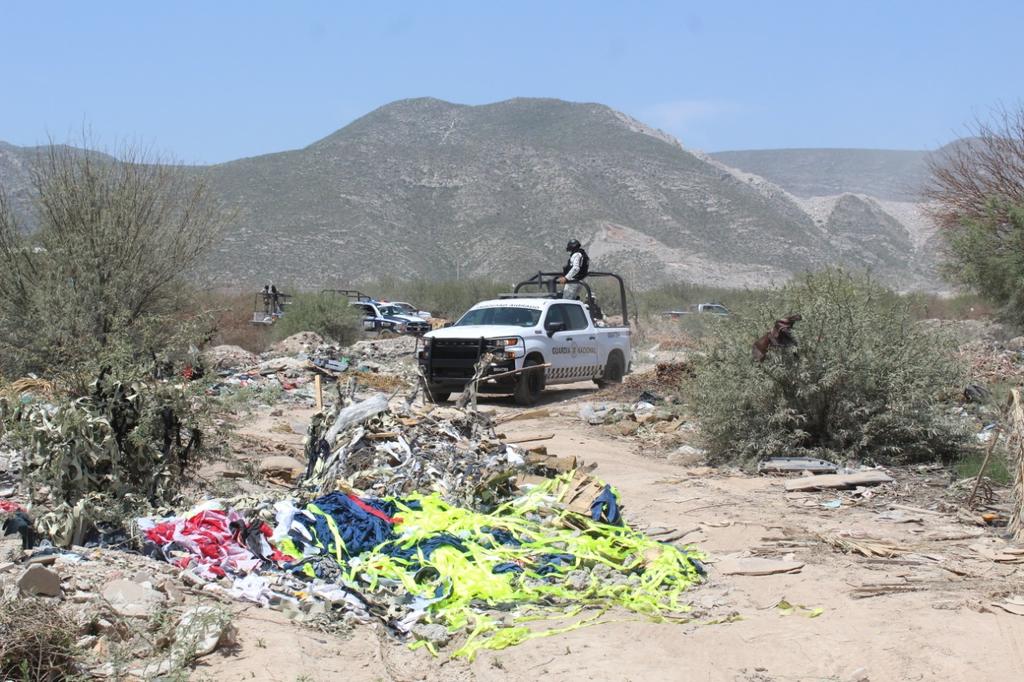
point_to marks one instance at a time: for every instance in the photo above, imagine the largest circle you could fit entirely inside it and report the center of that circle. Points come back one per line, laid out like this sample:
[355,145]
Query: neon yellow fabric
[658,573]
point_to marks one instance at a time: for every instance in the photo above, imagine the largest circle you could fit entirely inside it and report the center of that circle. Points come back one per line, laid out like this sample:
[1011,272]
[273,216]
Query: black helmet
[573,245]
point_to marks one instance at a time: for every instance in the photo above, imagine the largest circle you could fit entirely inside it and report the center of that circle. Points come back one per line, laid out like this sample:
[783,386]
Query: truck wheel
[613,372]
[438,396]
[529,385]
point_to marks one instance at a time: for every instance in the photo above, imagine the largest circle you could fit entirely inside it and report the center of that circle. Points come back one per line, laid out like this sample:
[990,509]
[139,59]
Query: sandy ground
[940,632]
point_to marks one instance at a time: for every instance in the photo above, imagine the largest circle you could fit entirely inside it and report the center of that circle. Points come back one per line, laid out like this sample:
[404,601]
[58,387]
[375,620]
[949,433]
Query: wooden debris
[754,566]
[835,481]
[879,589]
[530,438]
[862,546]
[1016,458]
[525,414]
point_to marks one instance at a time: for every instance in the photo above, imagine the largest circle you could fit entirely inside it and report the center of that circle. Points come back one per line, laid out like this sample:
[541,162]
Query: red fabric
[207,538]
[9,507]
[373,510]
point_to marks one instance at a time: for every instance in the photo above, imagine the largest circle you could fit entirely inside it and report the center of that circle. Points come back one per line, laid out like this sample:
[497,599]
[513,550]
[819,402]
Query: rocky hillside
[893,175]
[426,187]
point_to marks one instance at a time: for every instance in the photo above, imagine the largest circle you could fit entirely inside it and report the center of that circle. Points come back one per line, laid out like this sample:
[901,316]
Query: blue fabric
[605,508]
[359,530]
[546,564]
[427,547]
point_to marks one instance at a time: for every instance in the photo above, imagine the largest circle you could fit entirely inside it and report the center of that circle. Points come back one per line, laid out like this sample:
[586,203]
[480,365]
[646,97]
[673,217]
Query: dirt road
[942,630]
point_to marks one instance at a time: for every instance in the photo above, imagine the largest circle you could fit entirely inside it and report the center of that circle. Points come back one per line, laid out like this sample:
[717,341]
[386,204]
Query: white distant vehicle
[700,308]
[408,309]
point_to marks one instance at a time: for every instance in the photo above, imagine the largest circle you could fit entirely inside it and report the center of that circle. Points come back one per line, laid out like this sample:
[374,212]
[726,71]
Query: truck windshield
[509,317]
[391,310]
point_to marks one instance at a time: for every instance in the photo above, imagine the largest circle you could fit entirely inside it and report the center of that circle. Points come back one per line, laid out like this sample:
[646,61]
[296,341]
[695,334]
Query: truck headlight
[513,346]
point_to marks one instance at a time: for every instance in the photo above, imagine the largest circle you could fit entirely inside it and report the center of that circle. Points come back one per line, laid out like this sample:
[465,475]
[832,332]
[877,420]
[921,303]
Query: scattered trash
[785,608]
[789,464]
[1014,605]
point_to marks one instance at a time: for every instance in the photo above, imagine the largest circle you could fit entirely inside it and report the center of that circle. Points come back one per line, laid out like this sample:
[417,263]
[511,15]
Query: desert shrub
[94,461]
[330,316]
[106,273]
[866,382]
[37,641]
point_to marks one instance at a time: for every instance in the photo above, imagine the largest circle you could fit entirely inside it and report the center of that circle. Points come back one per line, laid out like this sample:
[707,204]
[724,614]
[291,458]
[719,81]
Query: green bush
[866,382]
[330,316]
[105,279]
[122,450]
[986,253]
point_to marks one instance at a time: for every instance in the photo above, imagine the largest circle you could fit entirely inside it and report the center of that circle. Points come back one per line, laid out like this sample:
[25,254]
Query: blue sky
[213,81]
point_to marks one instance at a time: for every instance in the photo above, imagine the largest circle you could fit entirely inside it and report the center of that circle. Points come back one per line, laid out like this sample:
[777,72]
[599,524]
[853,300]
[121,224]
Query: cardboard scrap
[581,492]
[835,481]
[757,566]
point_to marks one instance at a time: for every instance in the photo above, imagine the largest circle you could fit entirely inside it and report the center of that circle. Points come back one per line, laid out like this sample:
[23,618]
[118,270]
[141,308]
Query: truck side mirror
[554,327]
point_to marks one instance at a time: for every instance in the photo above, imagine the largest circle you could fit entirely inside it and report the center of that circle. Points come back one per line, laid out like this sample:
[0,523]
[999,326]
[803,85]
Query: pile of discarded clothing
[559,551]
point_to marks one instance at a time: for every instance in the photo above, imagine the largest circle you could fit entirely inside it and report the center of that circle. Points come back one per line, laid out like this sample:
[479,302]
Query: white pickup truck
[520,333]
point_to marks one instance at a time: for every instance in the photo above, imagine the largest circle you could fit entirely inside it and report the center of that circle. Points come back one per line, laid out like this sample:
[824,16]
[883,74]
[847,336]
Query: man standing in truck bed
[575,270]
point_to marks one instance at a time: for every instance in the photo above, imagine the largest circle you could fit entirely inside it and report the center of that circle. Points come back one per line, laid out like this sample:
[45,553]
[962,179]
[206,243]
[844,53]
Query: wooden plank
[834,481]
[525,414]
[530,438]
[319,392]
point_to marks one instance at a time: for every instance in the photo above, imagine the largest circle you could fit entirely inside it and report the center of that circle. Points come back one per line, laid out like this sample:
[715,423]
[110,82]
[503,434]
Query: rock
[433,633]
[86,642]
[578,580]
[39,581]
[667,426]
[643,407]
[858,675]
[627,428]
[303,342]
[7,492]
[687,455]
[1014,344]
[228,357]
[200,631]
[282,466]
[131,600]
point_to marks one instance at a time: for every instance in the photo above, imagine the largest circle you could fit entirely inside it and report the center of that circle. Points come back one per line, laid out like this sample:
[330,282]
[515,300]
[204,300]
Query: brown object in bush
[780,336]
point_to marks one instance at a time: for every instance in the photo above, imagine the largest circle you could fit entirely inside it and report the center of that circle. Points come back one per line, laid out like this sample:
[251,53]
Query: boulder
[130,599]
[39,581]
[687,455]
[282,466]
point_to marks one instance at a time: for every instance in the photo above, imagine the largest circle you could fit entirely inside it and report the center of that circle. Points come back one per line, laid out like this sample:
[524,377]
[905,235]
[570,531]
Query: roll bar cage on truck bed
[547,282]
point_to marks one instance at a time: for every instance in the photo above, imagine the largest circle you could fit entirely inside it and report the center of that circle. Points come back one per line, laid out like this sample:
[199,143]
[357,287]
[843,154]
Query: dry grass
[37,641]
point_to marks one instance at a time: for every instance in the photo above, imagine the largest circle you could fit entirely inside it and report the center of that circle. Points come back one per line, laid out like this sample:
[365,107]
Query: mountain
[424,187]
[894,175]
